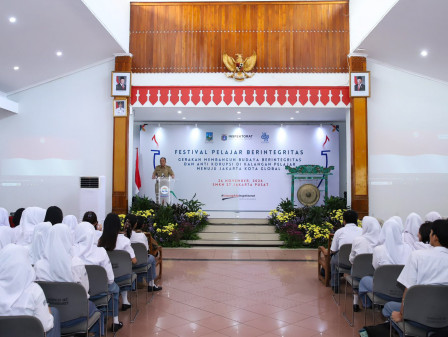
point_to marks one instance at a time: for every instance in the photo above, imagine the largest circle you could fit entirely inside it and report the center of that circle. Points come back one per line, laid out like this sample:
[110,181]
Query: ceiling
[408,28]
[230,115]
[42,28]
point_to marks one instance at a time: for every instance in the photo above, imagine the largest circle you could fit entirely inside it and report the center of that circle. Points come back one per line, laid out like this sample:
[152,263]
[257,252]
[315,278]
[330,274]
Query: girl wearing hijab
[432,216]
[71,221]
[53,215]
[392,251]
[19,294]
[6,236]
[369,238]
[112,240]
[90,254]
[31,216]
[39,241]
[4,217]
[58,265]
[411,232]
[131,222]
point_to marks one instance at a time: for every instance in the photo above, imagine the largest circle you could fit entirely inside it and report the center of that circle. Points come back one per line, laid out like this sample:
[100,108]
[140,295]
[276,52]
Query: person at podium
[161,171]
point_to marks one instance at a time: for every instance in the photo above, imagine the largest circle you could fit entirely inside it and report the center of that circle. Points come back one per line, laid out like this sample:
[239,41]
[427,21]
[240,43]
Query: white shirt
[123,243]
[345,235]
[360,245]
[139,238]
[426,267]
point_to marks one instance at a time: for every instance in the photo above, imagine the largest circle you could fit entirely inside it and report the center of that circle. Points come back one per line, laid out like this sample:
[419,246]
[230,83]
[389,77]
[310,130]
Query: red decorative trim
[240,96]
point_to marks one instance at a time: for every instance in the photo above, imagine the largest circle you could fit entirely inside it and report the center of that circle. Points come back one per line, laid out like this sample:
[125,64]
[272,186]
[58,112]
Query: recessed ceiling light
[12,19]
[238,112]
[179,112]
[58,53]
[291,117]
[184,117]
[239,118]
[297,112]
[424,53]
[16,68]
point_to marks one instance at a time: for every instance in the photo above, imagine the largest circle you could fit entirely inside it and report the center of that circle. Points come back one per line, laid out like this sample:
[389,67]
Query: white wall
[364,16]
[115,16]
[64,130]
[408,143]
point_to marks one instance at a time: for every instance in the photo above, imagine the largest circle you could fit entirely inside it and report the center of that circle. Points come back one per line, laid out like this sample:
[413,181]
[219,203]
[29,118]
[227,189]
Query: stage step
[238,232]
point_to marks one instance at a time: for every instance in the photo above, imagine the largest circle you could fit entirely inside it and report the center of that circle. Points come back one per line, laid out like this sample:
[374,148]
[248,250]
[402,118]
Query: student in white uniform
[71,221]
[433,216]
[428,266]
[112,240]
[4,217]
[424,236]
[6,236]
[90,254]
[392,251]
[19,294]
[40,237]
[92,219]
[411,231]
[344,235]
[31,216]
[131,223]
[58,265]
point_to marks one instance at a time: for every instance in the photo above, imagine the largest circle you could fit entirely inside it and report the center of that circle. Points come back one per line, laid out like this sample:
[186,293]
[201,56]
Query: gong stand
[309,172]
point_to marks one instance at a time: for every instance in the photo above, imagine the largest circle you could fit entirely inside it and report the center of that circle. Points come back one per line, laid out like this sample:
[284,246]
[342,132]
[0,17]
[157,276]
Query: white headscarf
[16,275]
[6,236]
[432,216]
[85,247]
[71,221]
[371,230]
[31,216]
[397,251]
[56,264]
[411,228]
[4,217]
[399,221]
[40,238]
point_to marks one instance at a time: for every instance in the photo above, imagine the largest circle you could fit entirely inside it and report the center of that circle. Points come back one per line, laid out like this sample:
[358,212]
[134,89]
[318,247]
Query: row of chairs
[423,304]
[71,299]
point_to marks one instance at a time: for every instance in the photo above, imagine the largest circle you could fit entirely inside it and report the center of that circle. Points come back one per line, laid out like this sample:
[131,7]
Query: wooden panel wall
[288,37]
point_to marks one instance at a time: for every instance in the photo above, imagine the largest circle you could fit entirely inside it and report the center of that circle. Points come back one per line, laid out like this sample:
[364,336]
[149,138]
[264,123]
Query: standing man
[161,171]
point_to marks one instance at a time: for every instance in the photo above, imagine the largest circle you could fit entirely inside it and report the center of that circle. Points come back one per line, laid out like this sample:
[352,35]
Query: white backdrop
[232,168]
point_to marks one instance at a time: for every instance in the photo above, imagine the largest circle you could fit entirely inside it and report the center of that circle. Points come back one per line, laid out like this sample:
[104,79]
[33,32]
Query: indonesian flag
[138,182]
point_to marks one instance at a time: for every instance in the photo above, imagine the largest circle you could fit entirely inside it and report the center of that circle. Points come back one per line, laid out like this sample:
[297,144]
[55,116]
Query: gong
[308,195]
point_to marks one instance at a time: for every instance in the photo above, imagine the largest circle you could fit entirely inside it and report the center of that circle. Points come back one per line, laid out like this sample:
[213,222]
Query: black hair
[90,217]
[440,228]
[350,216]
[111,228]
[425,230]
[17,216]
[54,215]
[141,220]
[129,222]
[359,78]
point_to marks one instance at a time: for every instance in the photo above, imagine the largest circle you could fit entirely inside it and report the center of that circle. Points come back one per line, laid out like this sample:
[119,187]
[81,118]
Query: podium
[163,190]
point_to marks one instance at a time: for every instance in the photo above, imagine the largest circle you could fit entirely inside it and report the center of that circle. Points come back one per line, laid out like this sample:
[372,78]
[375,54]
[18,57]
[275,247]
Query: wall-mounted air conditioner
[92,197]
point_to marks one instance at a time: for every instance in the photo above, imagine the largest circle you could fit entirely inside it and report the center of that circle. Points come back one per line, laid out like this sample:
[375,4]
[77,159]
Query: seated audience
[90,254]
[58,265]
[19,294]
[4,217]
[6,236]
[428,266]
[53,215]
[392,251]
[344,235]
[40,238]
[113,240]
[411,228]
[133,232]
[31,216]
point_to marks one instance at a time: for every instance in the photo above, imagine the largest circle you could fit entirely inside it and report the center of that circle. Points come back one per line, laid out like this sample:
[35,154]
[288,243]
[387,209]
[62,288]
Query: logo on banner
[209,136]
[265,137]
[224,137]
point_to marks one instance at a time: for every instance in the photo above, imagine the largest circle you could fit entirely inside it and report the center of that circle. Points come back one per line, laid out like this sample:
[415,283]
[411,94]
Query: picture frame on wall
[120,107]
[360,84]
[121,84]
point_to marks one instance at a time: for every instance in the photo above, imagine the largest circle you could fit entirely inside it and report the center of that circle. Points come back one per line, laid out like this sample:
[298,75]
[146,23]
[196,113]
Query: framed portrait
[121,84]
[120,107]
[360,84]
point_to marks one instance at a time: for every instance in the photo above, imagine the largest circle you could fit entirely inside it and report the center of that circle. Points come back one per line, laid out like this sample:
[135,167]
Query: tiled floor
[240,292]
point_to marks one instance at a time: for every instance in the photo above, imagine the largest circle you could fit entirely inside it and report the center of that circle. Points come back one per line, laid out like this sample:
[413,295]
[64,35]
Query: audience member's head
[424,231]
[54,215]
[130,221]
[432,216]
[141,222]
[111,229]
[439,233]
[4,217]
[6,236]
[90,217]
[71,221]
[17,216]
[350,216]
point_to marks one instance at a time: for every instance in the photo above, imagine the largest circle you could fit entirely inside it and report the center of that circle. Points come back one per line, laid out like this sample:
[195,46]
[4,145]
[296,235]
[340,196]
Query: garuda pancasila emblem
[239,69]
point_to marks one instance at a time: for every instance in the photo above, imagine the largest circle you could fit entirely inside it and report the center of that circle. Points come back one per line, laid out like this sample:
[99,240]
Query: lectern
[163,190]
